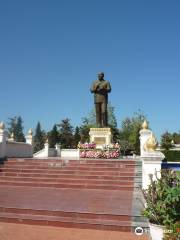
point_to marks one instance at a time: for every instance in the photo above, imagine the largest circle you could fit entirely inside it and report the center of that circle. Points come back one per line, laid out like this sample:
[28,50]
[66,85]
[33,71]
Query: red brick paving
[34,199]
[11,231]
[71,200]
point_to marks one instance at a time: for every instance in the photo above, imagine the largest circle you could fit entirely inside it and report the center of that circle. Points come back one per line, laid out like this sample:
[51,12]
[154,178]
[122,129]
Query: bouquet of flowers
[86,145]
[100,154]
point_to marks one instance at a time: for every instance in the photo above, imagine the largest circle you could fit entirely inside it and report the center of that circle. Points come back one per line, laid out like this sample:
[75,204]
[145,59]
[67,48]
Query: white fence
[10,148]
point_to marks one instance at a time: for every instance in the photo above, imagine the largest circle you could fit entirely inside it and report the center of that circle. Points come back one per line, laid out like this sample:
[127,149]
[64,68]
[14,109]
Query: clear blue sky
[51,50]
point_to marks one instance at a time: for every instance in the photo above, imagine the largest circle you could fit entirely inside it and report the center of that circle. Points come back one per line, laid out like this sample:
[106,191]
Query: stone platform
[11,231]
[90,194]
[100,136]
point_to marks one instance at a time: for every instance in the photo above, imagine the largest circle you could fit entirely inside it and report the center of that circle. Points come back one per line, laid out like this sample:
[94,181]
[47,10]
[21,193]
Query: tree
[176,137]
[166,140]
[126,147]
[112,122]
[53,137]
[16,127]
[130,130]
[39,138]
[84,130]
[90,122]
[77,137]
[66,133]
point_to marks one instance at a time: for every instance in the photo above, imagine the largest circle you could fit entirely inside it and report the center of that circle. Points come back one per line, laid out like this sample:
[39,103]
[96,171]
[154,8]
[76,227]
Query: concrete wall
[14,149]
[17,149]
[45,152]
[70,153]
[2,154]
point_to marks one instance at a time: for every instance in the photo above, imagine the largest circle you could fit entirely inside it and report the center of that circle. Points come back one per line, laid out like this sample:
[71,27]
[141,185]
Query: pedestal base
[100,136]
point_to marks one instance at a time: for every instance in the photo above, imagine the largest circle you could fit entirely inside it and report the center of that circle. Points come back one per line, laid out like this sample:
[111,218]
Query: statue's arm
[93,87]
[108,88]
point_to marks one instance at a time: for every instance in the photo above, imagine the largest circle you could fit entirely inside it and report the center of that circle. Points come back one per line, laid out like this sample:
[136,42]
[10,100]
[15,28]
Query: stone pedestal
[151,159]
[100,136]
[144,135]
[151,164]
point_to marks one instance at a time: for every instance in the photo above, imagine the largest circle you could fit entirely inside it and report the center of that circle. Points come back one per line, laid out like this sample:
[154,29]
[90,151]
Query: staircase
[95,194]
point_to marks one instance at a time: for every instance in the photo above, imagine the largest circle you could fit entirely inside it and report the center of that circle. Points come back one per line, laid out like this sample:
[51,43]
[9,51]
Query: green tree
[16,127]
[77,137]
[39,138]
[112,122]
[176,137]
[84,130]
[53,137]
[130,128]
[90,121]
[166,140]
[66,133]
[126,147]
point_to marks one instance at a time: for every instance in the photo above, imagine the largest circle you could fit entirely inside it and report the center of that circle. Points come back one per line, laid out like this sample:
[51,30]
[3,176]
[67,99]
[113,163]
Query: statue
[101,88]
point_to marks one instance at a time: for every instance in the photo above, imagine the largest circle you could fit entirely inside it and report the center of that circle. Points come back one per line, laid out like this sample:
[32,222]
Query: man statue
[101,88]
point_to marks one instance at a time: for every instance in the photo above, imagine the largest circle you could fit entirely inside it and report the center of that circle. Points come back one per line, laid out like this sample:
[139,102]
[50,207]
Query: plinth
[100,136]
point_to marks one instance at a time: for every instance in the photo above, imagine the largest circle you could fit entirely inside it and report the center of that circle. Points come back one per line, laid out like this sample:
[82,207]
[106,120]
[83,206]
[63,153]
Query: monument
[102,134]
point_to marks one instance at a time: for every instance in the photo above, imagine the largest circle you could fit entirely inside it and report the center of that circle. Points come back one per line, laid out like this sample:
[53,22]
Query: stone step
[81,161]
[97,161]
[74,215]
[33,160]
[83,193]
[84,223]
[59,166]
[71,165]
[127,186]
[67,171]
[130,177]
[69,180]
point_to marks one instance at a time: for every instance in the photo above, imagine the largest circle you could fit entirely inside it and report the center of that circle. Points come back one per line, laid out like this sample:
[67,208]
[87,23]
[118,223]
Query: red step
[129,177]
[128,186]
[75,215]
[100,224]
[70,180]
[86,193]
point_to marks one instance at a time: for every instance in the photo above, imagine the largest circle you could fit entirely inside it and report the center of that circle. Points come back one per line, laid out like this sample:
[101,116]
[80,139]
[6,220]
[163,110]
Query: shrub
[172,155]
[163,199]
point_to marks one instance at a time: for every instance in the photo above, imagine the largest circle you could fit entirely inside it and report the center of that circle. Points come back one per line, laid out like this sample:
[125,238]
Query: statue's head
[100,75]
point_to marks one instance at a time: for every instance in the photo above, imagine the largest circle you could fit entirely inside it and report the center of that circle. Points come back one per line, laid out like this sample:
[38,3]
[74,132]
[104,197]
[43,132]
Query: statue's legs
[104,114]
[98,114]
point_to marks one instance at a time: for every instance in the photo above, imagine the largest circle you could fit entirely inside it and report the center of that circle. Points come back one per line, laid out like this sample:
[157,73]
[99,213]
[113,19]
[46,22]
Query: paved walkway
[11,231]
[70,200]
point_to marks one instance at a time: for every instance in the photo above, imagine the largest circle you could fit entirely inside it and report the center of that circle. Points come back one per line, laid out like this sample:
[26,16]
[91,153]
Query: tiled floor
[91,197]
[11,231]
[72,200]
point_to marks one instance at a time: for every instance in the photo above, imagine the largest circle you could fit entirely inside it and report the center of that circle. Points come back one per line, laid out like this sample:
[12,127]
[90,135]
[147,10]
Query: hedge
[172,156]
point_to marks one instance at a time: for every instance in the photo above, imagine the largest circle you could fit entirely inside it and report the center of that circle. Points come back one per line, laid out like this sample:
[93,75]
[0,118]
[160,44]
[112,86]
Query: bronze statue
[101,88]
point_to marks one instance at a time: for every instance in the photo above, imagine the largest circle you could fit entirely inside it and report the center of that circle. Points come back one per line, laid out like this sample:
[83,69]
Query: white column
[144,135]
[151,158]
[58,149]
[151,165]
[3,136]
[46,149]
[29,137]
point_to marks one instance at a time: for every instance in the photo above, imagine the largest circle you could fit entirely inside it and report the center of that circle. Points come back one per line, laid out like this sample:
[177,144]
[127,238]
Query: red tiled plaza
[75,199]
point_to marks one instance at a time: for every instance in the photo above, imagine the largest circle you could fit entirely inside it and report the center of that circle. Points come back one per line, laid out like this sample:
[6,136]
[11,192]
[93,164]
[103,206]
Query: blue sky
[50,52]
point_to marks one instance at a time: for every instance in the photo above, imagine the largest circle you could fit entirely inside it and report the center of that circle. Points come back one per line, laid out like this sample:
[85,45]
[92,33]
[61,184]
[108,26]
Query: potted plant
[163,202]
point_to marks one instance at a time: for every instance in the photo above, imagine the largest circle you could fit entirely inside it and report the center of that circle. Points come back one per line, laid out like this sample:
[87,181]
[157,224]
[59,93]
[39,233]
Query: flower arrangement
[88,150]
[86,145]
[100,154]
